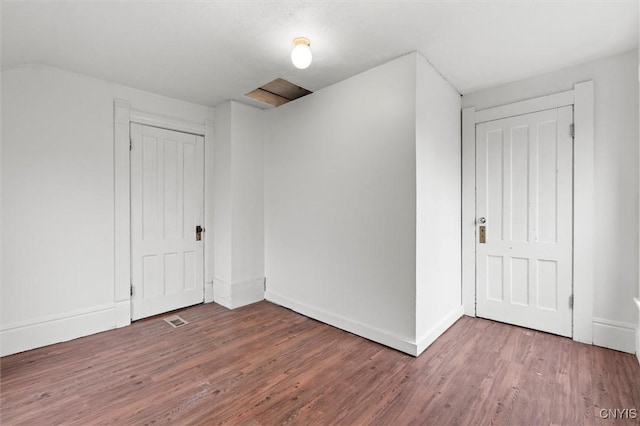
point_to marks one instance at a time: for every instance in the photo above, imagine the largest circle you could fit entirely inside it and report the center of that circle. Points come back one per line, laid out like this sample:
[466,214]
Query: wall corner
[468,211]
[583,236]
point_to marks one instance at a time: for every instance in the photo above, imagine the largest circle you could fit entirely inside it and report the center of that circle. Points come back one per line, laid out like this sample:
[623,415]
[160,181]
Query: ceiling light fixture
[301,53]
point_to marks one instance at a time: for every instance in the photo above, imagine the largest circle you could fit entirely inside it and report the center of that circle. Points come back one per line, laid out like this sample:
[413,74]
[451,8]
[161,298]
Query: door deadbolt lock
[483,234]
[199,231]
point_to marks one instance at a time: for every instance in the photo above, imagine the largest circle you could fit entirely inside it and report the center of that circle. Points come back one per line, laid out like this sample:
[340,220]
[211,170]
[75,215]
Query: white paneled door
[167,194]
[524,220]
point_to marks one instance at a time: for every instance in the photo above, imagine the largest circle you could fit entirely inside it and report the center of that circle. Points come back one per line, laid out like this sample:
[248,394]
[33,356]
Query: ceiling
[209,51]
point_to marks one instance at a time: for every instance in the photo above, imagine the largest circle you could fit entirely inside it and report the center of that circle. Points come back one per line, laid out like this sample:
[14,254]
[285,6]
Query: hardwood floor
[263,364]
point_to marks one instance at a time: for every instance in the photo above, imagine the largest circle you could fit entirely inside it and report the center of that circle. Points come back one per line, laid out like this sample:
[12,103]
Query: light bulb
[301,53]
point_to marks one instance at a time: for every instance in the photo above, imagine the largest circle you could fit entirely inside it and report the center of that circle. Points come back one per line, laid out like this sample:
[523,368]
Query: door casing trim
[124,115]
[581,97]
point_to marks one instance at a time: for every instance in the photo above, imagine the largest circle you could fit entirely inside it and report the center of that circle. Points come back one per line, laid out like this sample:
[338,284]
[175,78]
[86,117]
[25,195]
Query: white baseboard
[346,324]
[123,313]
[436,331]
[26,335]
[620,336]
[208,292]
[239,294]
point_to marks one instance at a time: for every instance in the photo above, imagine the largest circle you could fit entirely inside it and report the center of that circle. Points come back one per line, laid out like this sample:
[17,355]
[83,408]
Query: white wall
[248,193]
[1,174]
[350,171]
[222,194]
[638,300]
[438,204]
[616,182]
[340,204]
[238,205]
[58,202]
[1,180]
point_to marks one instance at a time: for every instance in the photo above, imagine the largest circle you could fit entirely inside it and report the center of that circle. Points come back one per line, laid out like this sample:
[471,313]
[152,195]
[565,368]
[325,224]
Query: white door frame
[581,97]
[124,115]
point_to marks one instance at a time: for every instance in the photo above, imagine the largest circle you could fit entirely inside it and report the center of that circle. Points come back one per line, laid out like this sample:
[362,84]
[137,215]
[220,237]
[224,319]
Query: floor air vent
[175,321]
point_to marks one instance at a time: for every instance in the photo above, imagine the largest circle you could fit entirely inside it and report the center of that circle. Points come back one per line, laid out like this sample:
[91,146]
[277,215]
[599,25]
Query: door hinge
[572,130]
[130,144]
[131,289]
[264,284]
[571,302]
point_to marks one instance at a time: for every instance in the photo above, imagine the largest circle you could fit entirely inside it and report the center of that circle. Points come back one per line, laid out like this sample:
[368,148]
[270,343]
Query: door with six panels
[524,220]
[167,206]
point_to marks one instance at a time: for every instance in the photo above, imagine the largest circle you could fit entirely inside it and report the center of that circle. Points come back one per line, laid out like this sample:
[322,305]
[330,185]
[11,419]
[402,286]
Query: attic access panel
[278,92]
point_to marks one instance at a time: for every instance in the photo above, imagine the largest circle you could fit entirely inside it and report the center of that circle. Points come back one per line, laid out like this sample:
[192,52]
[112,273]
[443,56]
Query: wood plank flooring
[263,364]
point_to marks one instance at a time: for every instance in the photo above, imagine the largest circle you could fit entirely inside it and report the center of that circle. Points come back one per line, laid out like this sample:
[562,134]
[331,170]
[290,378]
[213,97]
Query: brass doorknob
[199,231]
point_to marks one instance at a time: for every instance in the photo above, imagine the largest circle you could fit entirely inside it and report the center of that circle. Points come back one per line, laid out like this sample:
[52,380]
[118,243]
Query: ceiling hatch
[278,92]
